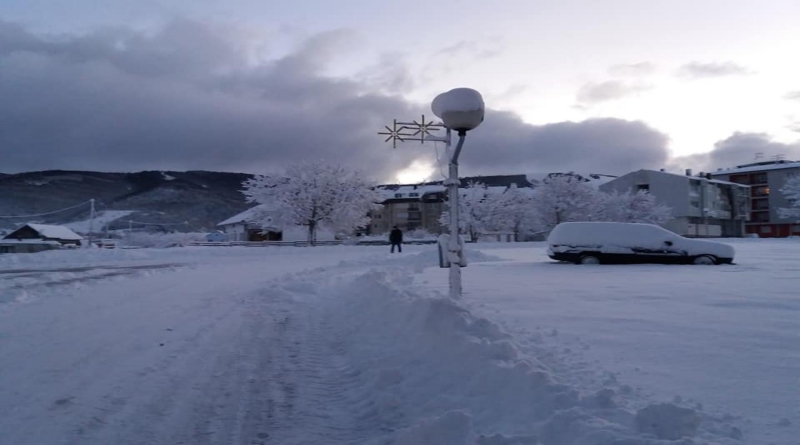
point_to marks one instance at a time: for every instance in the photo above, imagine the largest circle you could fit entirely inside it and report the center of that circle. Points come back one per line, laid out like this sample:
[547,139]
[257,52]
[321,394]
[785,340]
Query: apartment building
[765,179]
[701,206]
[420,206]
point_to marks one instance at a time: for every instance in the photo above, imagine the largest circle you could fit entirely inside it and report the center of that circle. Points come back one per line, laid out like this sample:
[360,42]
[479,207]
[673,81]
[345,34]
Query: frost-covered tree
[563,199]
[314,193]
[640,207]
[791,190]
[476,207]
[514,212]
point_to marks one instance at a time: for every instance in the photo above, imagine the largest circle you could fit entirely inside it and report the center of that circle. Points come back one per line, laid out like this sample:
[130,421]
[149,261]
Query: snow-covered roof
[244,217]
[406,191]
[247,216]
[594,180]
[55,232]
[779,165]
[699,178]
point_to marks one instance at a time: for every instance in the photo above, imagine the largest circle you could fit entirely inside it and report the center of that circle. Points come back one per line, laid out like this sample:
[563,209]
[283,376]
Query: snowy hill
[202,198]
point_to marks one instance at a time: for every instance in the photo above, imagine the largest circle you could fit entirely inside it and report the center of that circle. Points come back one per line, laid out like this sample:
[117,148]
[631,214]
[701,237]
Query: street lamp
[461,110]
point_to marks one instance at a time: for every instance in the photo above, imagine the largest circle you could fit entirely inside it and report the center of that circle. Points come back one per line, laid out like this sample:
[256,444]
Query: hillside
[200,198]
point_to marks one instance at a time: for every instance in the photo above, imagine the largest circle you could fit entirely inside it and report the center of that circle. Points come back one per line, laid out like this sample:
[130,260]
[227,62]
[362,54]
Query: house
[420,206]
[701,207]
[27,245]
[45,232]
[242,227]
[765,179]
[32,238]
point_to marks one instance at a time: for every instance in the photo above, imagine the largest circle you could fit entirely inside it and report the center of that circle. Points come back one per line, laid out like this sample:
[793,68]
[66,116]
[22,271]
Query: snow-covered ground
[349,344]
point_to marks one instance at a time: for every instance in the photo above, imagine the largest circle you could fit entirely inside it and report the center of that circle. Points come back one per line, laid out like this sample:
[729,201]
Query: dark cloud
[632,69]
[593,93]
[701,70]
[792,95]
[504,143]
[191,97]
[738,149]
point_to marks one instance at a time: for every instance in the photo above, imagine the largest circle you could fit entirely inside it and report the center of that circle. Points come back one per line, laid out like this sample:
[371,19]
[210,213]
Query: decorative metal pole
[461,110]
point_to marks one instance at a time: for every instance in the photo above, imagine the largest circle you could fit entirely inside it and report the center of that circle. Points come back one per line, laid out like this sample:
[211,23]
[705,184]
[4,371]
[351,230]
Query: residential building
[420,206]
[32,238]
[765,179]
[242,227]
[45,232]
[701,206]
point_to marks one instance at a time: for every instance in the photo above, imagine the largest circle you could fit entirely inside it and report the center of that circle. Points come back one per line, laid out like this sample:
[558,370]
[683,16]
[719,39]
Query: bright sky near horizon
[701,84]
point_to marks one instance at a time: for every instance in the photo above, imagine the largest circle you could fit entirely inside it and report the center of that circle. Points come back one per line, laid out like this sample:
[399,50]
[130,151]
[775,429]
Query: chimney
[688,172]
[708,176]
[662,170]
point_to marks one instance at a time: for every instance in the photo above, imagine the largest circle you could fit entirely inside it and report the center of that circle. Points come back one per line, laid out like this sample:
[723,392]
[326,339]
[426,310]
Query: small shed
[45,232]
[242,227]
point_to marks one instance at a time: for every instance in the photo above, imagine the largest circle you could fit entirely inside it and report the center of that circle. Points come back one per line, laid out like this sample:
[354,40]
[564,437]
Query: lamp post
[461,110]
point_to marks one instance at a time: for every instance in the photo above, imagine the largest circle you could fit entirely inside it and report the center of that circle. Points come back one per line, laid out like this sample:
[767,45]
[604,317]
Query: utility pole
[91,222]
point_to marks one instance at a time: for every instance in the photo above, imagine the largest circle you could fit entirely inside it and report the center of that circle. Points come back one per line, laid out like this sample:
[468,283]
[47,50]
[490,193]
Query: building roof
[54,232]
[698,178]
[244,217]
[757,167]
[594,180]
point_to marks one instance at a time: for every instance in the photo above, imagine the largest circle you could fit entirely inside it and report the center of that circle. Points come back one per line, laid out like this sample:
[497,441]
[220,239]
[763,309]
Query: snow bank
[434,373]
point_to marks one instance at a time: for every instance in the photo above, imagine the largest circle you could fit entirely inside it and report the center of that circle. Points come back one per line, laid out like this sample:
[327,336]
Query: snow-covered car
[625,243]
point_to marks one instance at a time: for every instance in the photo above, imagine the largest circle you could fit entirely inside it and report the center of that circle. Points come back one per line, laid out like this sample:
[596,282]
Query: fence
[304,243]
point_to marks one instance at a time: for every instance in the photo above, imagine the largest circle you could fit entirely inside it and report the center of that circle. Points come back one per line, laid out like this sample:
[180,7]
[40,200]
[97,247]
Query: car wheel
[705,260]
[589,259]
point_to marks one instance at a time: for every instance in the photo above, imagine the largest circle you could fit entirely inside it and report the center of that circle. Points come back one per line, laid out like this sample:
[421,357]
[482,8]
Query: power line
[48,213]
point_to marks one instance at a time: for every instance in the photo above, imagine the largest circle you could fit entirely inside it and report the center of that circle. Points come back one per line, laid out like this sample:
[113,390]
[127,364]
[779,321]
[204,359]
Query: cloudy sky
[250,85]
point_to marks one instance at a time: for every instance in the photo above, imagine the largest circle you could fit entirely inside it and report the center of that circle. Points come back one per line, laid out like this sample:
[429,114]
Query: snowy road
[197,355]
[343,345]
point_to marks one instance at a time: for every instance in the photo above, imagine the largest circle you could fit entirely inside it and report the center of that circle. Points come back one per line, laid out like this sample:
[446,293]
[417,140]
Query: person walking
[396,239]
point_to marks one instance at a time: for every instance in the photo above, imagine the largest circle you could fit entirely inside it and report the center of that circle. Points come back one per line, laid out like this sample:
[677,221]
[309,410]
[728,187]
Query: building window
[766,229]
[760,191]
[740,179]
[760,217]
[760,178]
[398,195]
[643,187]
[760,204]
[796,228]
[695,204]
[413,195]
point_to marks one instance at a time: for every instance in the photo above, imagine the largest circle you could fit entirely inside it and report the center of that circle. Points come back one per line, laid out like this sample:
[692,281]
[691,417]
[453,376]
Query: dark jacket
[396,236]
